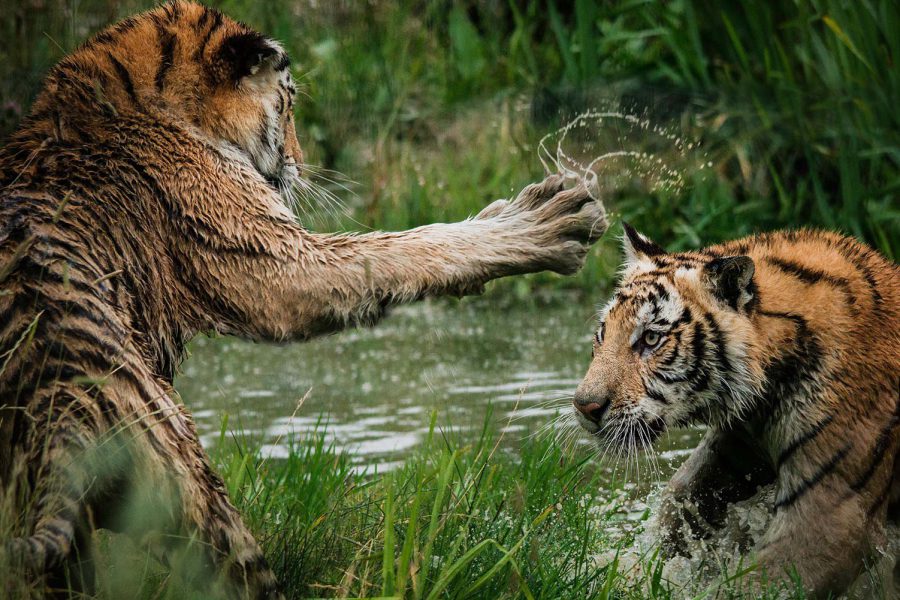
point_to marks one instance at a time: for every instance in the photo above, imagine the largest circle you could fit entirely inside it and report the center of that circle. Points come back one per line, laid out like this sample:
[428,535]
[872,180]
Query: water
[612,150]
[374,389]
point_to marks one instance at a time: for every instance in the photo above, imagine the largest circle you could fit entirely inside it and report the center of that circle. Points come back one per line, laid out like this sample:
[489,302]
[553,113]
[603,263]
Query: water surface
[373,390]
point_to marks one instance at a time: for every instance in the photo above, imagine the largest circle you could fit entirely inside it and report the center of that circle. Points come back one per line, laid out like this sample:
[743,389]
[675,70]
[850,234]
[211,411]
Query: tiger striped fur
[143,201]
[787,346]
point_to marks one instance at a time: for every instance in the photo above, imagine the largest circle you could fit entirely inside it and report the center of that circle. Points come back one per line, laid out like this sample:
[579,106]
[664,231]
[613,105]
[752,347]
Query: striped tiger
[144,200]
[787,346]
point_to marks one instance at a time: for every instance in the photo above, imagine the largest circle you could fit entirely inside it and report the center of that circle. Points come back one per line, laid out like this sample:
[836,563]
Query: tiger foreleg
[213,545]
[719,471]
[322,283]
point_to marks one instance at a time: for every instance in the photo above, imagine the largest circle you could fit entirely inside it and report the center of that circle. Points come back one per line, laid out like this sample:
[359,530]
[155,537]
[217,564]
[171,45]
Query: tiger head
[189,67]
[675,346]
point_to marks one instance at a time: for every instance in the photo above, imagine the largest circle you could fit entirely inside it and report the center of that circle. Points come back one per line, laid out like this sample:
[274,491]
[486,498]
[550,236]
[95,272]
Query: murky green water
[375,389]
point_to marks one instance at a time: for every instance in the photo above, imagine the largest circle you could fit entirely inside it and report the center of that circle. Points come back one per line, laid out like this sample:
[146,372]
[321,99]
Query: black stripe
[96,316]
[817,477]
[654,395]
[172,10]
[54,409]
[786,375]
[698,375]
[673,262]
[55,530]
[83,357]
[685,318]
[676,342]
[204,17]
[740,248]
[803,439]
[858,255]
[651,275]
[104,37]
[797,319]
[217,22]
[719,341]
[124,77]
[878,451]
[167,52]
[667,378]
[126,25]
[43,274]
[54,372]
[805,274]
[661,292]
[813,276]
[112,350]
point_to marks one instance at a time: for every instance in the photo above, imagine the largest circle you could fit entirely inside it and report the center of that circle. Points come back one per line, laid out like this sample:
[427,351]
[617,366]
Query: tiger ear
[245,53]
[731,280]
[637,246]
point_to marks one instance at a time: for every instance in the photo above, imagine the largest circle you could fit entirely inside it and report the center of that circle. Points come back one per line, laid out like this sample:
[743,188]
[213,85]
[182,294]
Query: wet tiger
[787,346]
[143,201]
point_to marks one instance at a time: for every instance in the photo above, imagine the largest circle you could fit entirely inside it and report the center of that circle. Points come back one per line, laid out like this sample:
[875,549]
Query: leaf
[833,26]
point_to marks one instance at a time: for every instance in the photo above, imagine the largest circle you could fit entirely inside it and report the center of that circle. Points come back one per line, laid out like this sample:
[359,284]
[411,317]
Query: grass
[453,521]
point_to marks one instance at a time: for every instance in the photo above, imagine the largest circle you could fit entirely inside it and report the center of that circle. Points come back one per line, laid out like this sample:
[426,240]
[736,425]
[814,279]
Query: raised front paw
[553,227]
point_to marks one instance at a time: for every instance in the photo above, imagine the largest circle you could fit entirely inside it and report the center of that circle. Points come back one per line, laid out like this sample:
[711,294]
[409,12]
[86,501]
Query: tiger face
[193,68]
[675,346]
[250,105]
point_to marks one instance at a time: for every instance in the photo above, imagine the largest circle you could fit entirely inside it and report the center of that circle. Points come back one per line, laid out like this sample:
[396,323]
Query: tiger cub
[787,346]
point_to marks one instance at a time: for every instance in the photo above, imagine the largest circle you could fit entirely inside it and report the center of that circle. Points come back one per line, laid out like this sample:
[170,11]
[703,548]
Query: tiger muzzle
[590,406]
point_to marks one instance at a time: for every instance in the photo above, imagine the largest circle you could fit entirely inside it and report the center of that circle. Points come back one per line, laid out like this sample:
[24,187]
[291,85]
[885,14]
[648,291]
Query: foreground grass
[453,521]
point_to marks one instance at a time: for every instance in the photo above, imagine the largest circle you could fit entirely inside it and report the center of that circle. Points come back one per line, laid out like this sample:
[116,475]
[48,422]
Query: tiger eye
[651,338]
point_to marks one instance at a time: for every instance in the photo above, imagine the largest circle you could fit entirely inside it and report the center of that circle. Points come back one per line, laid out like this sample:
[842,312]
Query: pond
[373,390]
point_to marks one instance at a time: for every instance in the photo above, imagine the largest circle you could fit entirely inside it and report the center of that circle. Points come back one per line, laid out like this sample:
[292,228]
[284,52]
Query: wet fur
[139,206]
[787,345]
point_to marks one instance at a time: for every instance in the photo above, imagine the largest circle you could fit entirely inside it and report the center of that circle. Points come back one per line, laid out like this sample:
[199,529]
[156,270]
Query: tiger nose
[590,407]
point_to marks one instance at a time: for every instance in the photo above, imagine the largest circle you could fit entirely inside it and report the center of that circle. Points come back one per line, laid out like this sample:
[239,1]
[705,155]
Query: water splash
[612,149]
[711,565]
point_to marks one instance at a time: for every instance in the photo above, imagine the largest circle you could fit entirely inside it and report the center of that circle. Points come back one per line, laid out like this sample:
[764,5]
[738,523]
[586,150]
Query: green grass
[455,520]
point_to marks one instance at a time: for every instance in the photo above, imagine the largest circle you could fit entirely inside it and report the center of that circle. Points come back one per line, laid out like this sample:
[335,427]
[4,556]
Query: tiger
[786,346]
[144,200]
